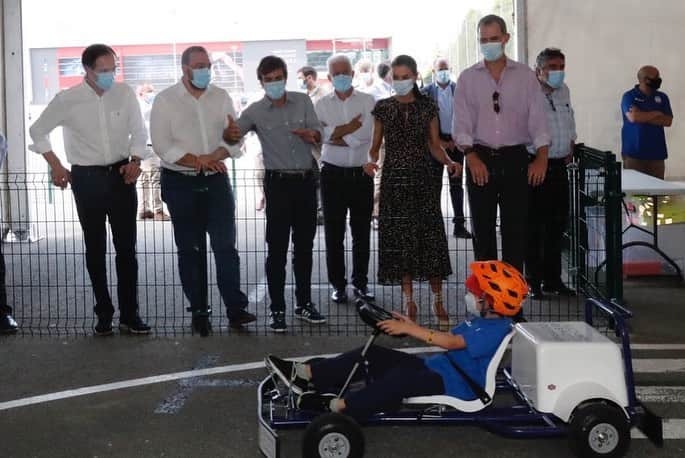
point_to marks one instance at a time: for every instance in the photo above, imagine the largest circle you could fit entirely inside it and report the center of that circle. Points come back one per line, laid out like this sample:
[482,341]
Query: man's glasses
[495,102]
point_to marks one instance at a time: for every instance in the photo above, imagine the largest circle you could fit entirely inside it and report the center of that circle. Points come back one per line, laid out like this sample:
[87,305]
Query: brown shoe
[147,214]
[161,216]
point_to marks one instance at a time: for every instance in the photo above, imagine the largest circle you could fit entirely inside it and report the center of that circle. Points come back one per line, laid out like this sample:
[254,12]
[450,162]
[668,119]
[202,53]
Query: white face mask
[471,303]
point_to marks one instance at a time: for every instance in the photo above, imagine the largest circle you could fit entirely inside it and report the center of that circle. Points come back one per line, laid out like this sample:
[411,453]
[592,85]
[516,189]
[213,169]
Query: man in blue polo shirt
[646,111]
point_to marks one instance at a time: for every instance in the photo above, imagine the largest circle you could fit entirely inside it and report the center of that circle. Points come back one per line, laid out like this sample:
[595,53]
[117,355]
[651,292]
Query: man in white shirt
[149,193]
[186,125]
[104,140]
[345,115]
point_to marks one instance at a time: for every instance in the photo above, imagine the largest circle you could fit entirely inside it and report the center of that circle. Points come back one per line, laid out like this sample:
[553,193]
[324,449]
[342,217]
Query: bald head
[441,64]
[647,72]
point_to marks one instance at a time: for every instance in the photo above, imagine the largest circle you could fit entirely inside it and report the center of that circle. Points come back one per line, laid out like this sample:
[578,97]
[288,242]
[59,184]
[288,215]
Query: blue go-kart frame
[276,407]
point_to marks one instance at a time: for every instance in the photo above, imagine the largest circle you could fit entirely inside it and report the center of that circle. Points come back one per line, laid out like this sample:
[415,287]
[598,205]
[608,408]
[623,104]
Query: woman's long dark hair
[404,60]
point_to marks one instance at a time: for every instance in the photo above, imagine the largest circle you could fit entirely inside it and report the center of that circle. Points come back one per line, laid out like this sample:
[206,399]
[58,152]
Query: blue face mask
[492,51]
[443,76]
[342,83]
[302,84]
[105,80]
[201,77]
[555,79]
[402,87]
[275,89]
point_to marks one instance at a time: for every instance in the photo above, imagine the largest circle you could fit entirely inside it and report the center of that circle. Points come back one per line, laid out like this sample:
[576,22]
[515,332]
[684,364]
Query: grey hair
[335,58]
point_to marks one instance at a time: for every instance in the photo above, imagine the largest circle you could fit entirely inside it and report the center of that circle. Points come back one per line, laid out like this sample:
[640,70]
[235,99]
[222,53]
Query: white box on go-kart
[559,365]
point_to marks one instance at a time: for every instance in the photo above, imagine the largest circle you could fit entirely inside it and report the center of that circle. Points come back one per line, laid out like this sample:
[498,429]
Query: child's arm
[403,325]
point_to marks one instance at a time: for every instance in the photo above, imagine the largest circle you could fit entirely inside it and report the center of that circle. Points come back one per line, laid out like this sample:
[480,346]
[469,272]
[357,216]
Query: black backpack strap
[476,388]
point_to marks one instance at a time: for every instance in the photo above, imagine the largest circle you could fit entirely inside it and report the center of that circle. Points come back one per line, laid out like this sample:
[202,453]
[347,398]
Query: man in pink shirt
[498,110]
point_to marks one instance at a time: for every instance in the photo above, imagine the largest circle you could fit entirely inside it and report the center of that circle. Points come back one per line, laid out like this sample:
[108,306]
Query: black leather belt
[503,151]
[343,171]
[295,174]
[100,168]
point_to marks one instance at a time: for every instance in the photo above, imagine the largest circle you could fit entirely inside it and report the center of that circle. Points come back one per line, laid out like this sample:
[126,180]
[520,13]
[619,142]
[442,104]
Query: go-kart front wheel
[599,430]
[333,435]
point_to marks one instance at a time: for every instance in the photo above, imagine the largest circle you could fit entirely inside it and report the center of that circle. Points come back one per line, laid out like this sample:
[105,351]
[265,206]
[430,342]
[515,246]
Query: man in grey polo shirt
[287,127]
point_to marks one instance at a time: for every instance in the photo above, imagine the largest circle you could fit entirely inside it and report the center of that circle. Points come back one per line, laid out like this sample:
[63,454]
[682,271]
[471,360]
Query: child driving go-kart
[495,292]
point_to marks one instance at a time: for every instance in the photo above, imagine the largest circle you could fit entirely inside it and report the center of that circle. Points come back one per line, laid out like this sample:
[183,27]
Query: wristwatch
[468,150]
[135,159]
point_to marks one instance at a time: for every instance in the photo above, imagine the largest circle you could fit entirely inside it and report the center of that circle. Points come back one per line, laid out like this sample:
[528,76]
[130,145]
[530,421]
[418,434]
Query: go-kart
[566,379]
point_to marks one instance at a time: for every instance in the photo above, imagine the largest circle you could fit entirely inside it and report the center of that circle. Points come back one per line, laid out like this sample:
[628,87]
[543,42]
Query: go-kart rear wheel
[333,435]
[599,430]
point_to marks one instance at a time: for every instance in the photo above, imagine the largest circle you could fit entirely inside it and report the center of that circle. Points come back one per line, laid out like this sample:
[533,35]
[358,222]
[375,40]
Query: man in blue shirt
[646,111]
[495,292]
[442,92]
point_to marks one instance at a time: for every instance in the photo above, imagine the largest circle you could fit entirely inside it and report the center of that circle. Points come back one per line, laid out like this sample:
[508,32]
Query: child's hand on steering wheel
[401,324]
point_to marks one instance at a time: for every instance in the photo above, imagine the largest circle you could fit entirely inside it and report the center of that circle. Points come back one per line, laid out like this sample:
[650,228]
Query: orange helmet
[503,284]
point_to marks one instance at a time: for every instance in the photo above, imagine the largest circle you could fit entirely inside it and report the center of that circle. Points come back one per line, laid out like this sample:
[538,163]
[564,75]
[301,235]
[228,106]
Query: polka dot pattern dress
[411,230]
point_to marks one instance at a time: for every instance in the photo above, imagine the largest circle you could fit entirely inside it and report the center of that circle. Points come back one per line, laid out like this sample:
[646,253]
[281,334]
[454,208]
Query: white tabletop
[635,182]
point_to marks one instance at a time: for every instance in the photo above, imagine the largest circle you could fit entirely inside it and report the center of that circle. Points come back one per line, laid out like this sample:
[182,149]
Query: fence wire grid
[49,288]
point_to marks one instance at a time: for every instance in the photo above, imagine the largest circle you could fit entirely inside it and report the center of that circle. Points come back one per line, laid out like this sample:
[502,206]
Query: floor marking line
[661,394]
[639,366]
[674,428]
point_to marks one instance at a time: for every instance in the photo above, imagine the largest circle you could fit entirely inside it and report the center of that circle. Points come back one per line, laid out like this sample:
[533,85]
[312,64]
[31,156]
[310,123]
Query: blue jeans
[201,205]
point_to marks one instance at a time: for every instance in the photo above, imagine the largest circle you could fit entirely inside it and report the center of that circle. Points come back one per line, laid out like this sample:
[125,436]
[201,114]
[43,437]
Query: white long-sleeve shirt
[333,112]
[181,124]
[98,130]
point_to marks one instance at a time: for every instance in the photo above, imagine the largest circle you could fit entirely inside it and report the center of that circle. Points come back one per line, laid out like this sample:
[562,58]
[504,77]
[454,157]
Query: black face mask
[654,83]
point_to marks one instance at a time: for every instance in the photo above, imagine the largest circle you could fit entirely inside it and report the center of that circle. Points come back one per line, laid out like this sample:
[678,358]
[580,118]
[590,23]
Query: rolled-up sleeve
[538,128]
[246,121]
[136,127]
[162,134]
[462,118]
[49,119]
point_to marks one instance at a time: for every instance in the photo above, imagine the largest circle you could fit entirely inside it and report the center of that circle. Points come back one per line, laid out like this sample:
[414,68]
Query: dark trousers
[548,215]
[507,187]
[455,183]
[100,194]
[290,206]
[346,189]
[201,205]
[393,376]
[5,309]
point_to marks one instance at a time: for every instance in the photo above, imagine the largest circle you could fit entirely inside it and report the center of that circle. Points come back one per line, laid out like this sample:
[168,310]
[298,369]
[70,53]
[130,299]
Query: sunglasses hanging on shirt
[495,102]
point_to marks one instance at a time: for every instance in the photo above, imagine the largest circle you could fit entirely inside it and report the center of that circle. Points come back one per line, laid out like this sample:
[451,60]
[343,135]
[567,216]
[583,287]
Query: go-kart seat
[476,404]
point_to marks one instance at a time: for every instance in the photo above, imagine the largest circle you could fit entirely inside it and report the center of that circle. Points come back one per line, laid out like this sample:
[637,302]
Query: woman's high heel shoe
[411,310]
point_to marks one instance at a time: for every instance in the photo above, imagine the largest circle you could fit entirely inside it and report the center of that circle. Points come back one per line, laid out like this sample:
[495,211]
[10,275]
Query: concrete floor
[216,415]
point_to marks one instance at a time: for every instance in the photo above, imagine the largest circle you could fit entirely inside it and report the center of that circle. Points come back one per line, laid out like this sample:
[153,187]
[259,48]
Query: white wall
[605,42]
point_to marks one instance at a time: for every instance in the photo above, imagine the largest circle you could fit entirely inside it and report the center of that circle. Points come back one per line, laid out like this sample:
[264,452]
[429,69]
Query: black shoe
[241,318]
[202,325]
[319,218]
[461,232]
[339,296]
[364,293]
[311,400]
[534,291]
[8,325]
[374,223]
[285,370]
[133,326]
[558,290]
[104,326]
[309,313]
[277,323]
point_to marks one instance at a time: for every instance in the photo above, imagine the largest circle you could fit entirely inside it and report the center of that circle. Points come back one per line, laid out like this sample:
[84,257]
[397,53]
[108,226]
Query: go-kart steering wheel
[372,314]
